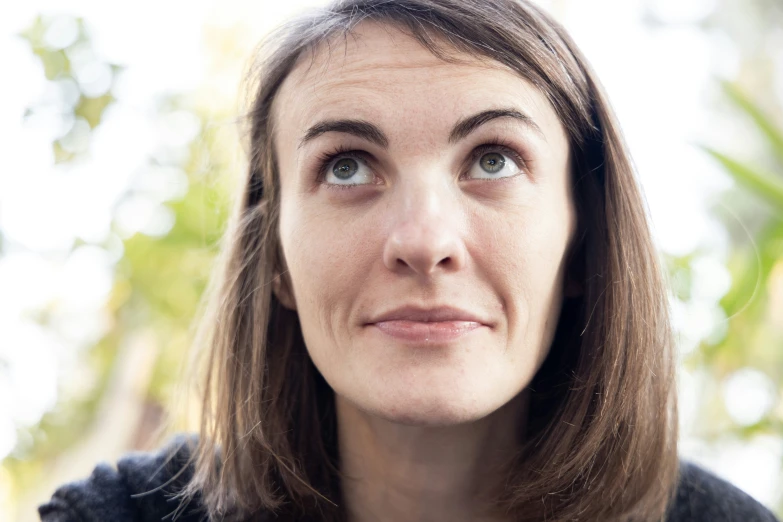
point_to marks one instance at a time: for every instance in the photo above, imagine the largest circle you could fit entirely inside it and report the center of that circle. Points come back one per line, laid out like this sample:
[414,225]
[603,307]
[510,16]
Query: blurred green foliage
[754,337]
[57,66]
[747,301]
[158,281]
[753,334]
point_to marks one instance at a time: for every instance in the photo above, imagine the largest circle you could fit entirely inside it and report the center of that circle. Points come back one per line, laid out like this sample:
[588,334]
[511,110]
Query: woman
[440,299]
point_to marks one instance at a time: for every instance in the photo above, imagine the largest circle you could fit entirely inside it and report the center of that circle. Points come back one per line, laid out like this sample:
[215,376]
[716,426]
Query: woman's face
[426,211]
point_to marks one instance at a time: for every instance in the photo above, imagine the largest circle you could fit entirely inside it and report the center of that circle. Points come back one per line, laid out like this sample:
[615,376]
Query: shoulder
[702,496]
[142,488]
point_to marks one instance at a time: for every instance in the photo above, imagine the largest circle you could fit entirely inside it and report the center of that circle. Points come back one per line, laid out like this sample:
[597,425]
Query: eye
[347,170]
[492,162]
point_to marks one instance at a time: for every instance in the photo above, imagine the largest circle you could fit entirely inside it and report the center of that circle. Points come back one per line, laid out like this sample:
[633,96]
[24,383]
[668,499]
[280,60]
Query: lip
[427,325]
[428,315]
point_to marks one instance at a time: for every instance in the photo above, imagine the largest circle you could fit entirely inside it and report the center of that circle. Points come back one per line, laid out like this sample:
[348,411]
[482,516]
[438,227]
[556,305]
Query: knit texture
[701,496]
[143,488]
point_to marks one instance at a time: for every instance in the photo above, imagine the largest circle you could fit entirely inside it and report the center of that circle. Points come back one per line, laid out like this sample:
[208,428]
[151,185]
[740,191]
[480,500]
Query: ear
[281,287]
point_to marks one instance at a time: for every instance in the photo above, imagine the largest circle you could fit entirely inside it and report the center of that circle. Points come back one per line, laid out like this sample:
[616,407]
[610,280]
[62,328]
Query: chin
[438,419]
[431,410]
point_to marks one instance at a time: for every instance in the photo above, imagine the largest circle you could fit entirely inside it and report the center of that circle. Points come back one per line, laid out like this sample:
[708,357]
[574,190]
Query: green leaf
[60,154]
[771,132]
[92,109]
[751,268]
[55,63]
[34,34]
[763,185]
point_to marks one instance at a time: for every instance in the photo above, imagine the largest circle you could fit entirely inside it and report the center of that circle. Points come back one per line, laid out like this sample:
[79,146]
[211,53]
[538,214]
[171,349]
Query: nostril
[446,262]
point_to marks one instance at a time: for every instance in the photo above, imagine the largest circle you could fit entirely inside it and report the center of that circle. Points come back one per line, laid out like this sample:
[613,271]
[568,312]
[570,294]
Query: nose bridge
[425,231]
[423,199]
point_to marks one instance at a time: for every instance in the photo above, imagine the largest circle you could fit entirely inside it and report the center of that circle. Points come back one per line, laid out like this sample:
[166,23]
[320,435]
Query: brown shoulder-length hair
[602,430]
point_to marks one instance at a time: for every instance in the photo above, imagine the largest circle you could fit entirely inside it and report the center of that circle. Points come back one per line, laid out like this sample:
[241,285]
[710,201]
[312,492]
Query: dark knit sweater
[141,489]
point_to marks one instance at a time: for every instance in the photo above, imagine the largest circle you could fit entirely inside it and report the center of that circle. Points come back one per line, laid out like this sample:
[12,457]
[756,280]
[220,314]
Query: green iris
[345,168]
[492,162]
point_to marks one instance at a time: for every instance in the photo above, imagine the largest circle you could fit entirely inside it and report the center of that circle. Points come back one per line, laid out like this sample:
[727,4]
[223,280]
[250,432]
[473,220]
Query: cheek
[329,263]
[523,253]
[327,258]
[525,245]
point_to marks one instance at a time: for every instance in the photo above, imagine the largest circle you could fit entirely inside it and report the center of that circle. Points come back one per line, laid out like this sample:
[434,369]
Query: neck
[394,472]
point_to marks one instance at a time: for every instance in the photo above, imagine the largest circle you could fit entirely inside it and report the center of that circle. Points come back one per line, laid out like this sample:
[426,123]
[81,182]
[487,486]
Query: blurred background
[119,149]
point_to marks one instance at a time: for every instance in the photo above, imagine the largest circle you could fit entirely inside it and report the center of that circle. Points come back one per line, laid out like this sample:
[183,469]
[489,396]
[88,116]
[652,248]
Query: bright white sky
[661,81]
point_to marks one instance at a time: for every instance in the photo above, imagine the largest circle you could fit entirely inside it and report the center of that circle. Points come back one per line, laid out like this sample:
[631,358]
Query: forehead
[379,73]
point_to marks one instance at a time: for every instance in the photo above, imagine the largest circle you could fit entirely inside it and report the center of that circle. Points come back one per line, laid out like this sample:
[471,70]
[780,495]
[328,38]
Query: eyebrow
[372,133]
[362,129]
[467,125]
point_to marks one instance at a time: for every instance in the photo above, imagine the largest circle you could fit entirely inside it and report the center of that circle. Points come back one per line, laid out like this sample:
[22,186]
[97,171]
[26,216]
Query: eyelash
[493,145]
[498,145]
[326,158]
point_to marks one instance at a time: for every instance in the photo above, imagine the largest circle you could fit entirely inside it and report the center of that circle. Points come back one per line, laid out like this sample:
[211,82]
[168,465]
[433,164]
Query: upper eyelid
[358,153]
[486,148]
[327,159]
[477,150]
[475,153]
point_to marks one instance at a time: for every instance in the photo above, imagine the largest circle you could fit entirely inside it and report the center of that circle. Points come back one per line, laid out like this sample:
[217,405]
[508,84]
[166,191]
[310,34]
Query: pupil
[492,162]
[345,168]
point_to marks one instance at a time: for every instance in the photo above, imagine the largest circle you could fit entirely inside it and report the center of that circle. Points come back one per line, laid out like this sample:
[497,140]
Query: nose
[426,232]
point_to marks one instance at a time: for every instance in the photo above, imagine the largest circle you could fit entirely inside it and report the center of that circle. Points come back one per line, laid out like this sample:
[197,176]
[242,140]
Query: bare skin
[420,209]
[424,473]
